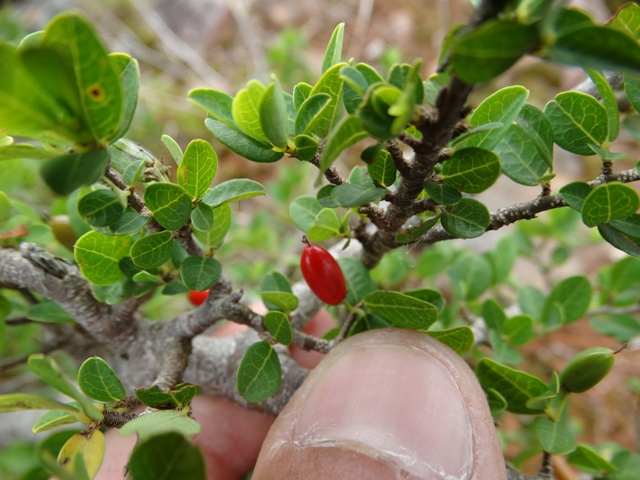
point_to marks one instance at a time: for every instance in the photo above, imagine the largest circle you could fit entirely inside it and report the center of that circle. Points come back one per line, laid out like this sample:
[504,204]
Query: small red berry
[323,274]
[197,298]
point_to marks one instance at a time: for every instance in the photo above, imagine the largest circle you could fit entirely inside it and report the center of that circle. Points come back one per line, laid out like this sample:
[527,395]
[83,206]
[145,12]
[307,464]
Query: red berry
[323,274]
[198,298]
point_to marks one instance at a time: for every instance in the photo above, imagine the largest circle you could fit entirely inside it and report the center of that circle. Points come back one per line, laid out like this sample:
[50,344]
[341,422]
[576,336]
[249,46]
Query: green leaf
[632,90]
[284,301]
[471,170]
[66,173]
[503,107]
[614,49]
[358,278]
[169,203]
[333,52]
[153,250]
[233,190]
[629,244]
[586,459]
[259,375]
[246,110]
[168,455]
[515,386]
[273,115]
[627,20]
[572,295]
[518,330]
[493,314]
[275,282]
[203,217]
[492,48]
[459,339]
[470,275]
[329,83]
[401,310]
[303,212]
[497,403]
[98,83]
[53,419]
[575,194]
[278,325]
[130,222]
[610,102]
[97,380]
[413,234]
[215,236]
[82,455]
[198,168]
[181,395]
[609,201]
[216,103]
[382,169]
[325,226]
[200,273]
[25,150]
[49,312]
[310,113]
[241,143]
[173,147]
[553,437]
[347,132]
[467,219]
[98,255]
[306,147]
[100,208]
[14,402]
[49,372]
[442,194]
[354,194]
[619,326]
[577,119]
[160,422]
[128,70]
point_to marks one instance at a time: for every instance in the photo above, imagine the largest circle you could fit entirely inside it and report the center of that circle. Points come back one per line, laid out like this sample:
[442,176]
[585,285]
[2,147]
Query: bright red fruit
[198,298]
[323,274]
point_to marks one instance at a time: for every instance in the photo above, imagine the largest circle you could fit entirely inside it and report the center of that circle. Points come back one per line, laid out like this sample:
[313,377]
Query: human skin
[385,404]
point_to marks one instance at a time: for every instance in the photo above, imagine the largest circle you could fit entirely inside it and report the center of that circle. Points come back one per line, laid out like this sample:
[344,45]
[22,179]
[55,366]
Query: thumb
[385,404]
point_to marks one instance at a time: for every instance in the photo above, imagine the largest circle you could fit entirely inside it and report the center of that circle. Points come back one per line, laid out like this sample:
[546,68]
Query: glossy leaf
[301,92]
[306,147]
[203,217]
[609,201]
[459,339]
[98,255]
[216,103]
[97,380]
[627,19]
[514,386]
[283,301]
[358,278]
[273,115]
[168,455]
[329,83]
[153,250]
[489,50]
[233,190]
[259,374]
[629,244]
[333,52]
[161,422]
[572,295]
[467,219]
[200,273]
[471,170]
[278,325]
[310,113]
[67,173]
[413,234]
[325,226]
[215,235]
[54,419]
[180,395]
[609,100]
[355,195]
[401,310]
[575,193]
[577,119]
[100,208]
[382,170]
[503,107]
[554,438]
[241,143]
[169,203]
[346,133]
[246,110]
[442,194]
[197,169]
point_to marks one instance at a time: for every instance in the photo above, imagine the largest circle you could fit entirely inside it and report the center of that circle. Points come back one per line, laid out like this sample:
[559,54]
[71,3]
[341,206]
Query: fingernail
[354,405]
